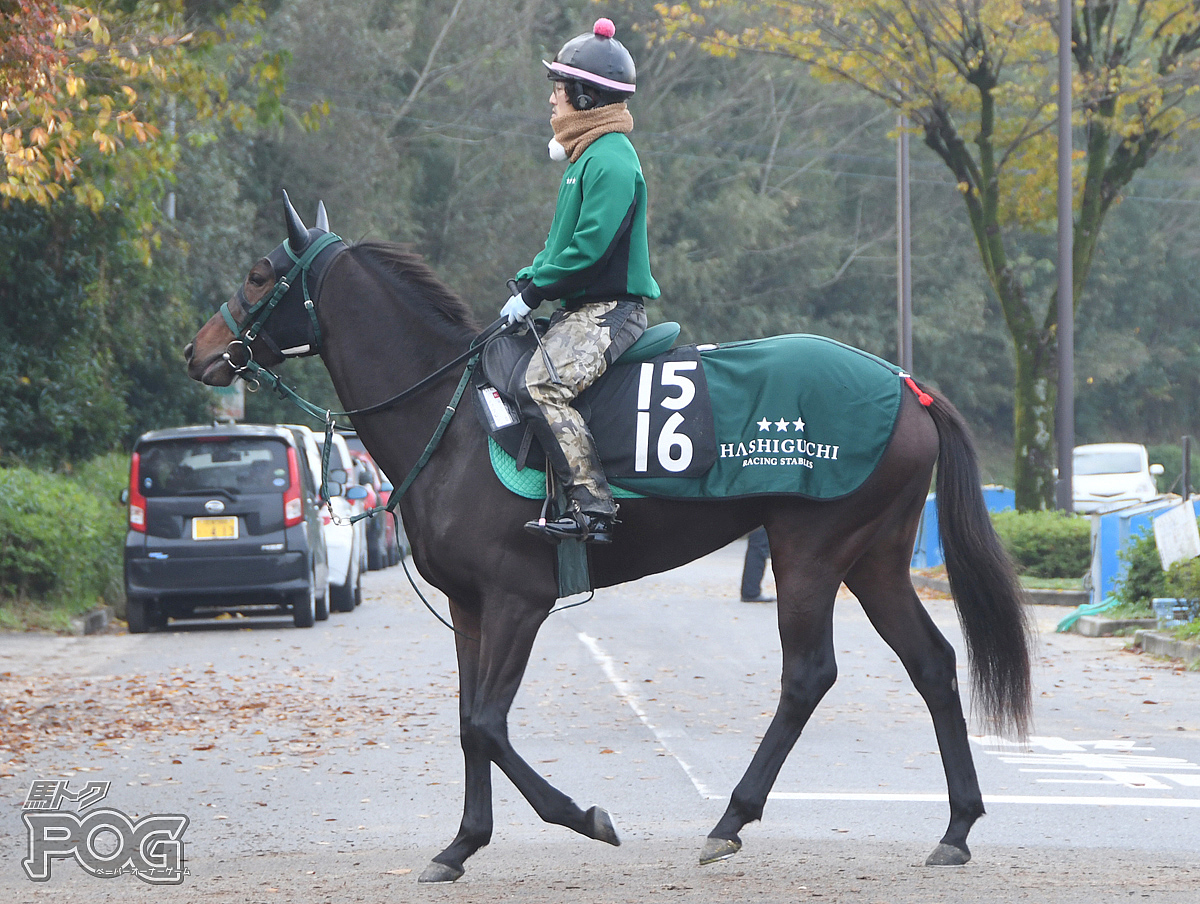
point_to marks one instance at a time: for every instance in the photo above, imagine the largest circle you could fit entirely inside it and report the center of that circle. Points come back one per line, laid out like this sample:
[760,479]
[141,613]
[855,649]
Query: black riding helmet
[598,61]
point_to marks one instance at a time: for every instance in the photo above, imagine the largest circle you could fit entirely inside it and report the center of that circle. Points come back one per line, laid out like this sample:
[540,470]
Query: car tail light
[137,502]
[293,501]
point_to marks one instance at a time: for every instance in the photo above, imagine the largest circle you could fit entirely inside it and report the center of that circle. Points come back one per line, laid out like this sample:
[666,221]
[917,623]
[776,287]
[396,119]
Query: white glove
[515,309]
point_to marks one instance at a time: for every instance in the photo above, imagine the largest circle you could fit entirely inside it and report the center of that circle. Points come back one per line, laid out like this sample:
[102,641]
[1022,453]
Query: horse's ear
[322,217]
[297,231]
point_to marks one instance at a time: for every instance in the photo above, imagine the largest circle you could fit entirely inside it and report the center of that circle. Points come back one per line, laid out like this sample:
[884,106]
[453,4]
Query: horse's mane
[404,267]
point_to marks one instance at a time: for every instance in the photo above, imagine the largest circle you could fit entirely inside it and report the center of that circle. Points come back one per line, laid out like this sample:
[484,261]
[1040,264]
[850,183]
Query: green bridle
[258,313]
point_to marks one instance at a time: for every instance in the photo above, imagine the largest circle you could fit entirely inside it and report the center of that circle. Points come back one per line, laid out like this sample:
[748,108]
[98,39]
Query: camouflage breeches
[581,344]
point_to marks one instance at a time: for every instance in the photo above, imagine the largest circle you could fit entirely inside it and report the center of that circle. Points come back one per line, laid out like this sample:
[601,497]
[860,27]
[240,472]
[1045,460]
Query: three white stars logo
[781,426]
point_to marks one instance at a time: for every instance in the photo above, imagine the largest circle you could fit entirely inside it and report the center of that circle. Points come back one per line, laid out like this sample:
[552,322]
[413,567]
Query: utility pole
[1065,410]
[904,352]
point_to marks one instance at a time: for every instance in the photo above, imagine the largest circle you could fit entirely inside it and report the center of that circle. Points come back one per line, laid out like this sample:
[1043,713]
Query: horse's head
[271,316]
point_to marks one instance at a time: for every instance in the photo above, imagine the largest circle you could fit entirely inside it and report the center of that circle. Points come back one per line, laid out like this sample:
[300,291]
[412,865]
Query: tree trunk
[1034,398]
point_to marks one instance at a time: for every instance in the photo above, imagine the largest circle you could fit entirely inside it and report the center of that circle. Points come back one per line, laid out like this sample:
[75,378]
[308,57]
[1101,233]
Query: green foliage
[90,354]
[1183,580]
[105,477]
[1142,578]
[1045,544]
[61,536]
[1170,456]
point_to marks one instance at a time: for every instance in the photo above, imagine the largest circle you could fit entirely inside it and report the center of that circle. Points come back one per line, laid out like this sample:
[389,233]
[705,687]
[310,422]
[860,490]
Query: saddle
[649,412]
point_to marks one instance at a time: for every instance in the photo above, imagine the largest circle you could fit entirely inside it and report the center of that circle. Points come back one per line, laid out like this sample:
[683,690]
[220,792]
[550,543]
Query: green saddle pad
[795,414]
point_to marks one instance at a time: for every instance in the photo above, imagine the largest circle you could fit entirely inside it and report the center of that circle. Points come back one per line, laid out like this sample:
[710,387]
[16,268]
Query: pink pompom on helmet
[604,28]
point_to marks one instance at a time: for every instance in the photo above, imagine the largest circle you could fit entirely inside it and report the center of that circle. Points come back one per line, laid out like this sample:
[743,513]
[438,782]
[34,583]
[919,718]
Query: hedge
[61,536]
[1046,544]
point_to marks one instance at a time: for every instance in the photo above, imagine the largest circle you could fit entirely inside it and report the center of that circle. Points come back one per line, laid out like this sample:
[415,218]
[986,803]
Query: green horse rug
[795,414]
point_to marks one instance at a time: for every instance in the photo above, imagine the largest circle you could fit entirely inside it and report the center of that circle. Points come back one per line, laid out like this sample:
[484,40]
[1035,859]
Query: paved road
[323,764]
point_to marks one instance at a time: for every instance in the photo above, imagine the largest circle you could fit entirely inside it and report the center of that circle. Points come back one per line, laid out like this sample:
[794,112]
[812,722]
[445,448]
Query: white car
[345,542]
[1109,476]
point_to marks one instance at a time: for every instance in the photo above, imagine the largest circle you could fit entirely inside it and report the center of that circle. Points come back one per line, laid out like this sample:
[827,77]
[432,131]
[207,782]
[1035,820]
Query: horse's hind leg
[809,671]
[884,588]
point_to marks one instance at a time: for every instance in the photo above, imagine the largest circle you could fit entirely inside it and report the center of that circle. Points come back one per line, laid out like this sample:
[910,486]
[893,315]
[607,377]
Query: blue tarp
[1111,532]
[928,550]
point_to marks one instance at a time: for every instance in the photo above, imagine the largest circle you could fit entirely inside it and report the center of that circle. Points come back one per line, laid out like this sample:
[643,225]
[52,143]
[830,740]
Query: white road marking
[992,799]
[1118,763]
[626,692]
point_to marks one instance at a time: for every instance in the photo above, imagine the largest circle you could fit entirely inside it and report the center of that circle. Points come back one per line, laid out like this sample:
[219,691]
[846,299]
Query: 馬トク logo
[104,842]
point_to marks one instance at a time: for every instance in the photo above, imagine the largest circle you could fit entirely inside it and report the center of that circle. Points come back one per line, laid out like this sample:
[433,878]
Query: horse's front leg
[506,634]
[475,831]
[509,628]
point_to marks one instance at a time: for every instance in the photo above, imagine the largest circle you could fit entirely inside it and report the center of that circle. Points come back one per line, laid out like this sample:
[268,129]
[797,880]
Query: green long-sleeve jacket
[597,248]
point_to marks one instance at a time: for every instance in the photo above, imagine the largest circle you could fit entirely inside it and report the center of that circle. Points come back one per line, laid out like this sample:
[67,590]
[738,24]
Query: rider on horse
[596,263]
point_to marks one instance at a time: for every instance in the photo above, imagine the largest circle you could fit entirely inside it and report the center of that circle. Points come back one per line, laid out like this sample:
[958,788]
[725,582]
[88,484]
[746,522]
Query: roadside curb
[1160,645]
[93,622]
[1071,598]
[1099,626]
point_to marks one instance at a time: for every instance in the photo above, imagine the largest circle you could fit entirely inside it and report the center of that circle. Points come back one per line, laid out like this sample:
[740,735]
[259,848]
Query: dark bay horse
[383,323]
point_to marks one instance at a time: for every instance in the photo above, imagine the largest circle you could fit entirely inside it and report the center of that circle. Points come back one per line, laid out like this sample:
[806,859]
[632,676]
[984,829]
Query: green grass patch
[1034,583]
[53,617]
[1190,631]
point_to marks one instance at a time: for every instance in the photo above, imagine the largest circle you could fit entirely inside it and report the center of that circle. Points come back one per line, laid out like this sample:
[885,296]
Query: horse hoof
[600,827]
[948,855]
[439,872]
[718,849]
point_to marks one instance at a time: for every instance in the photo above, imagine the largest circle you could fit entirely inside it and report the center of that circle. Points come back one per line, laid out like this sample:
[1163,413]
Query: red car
[382,549]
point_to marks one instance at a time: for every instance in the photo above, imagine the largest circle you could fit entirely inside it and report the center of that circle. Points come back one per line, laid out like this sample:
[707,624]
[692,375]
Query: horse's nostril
[187,351]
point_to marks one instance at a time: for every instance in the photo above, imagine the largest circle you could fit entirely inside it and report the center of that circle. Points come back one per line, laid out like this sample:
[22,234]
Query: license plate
[215,528]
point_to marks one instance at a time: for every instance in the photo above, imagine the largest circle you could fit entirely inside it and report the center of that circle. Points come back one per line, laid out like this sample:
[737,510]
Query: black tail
[983,581]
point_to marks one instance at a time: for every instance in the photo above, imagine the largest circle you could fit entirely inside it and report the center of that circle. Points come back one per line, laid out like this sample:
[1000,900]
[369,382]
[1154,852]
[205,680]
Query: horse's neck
[379,345]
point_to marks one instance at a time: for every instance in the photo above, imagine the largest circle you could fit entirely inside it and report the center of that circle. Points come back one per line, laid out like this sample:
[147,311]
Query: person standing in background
[757,552]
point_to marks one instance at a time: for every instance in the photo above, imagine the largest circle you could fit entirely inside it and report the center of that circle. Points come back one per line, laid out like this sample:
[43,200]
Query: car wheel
[322,602]
[358,590]
[376,552]
[341,599]
[156,616]
[136,615]
[304,606]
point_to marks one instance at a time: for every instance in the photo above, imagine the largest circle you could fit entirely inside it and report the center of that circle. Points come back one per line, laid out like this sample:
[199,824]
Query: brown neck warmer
[576,129]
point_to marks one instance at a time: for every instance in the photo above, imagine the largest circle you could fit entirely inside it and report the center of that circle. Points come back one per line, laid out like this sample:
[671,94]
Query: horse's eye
[256,279]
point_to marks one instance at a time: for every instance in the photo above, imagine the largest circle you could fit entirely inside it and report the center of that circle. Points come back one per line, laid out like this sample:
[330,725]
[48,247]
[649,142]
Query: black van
[222,518]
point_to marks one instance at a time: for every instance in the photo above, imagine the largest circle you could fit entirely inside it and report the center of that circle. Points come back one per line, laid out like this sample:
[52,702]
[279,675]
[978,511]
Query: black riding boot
[587,518]
[574,525]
